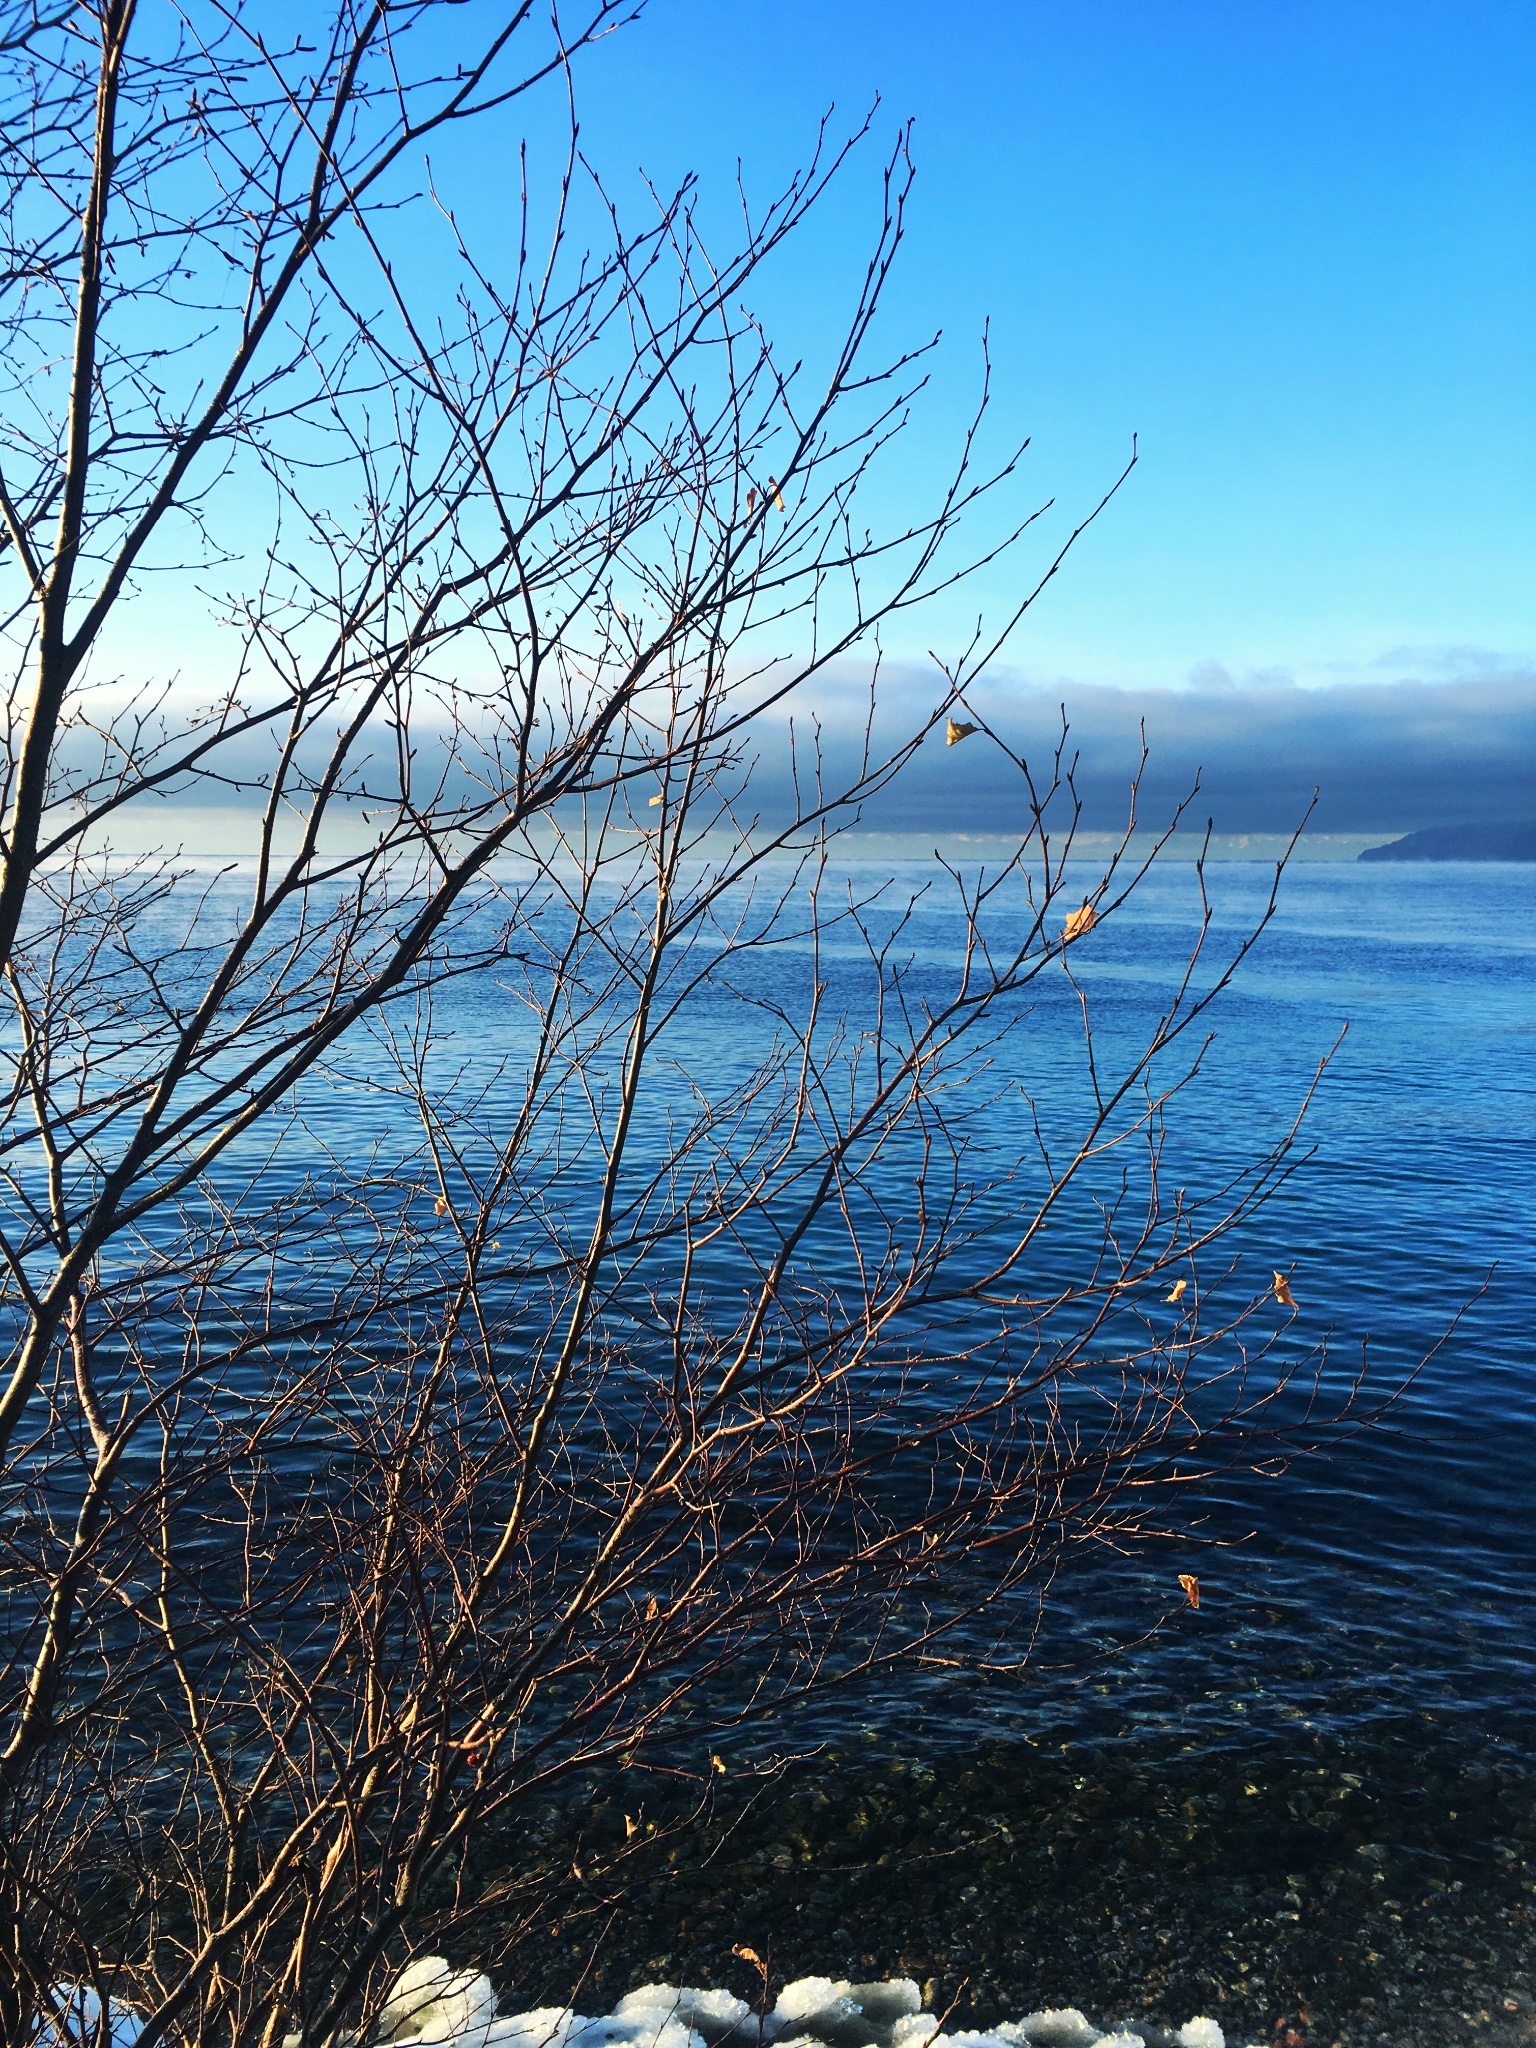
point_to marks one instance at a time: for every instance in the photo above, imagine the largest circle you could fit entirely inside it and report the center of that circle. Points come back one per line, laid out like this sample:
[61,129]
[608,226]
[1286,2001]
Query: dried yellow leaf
[1178,1289]
[1283,1292]
[655,800]
[653,1608]
[1082,920]
[718,1764]
[440,1206]
[1191,1587]
[954,733]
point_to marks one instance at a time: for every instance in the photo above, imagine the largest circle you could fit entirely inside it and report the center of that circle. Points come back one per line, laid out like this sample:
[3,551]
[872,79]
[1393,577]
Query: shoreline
[1338,1893]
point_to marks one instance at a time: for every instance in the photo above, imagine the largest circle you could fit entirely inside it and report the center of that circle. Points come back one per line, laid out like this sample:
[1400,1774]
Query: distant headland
[1460,842]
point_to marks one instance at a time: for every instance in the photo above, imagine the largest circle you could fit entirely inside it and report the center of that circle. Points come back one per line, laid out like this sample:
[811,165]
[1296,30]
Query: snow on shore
[432,2005]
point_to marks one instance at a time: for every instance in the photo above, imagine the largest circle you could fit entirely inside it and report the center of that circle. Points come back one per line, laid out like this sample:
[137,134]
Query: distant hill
[1461,842]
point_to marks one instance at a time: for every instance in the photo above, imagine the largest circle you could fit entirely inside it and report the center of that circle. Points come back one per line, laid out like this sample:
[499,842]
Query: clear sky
[1287,242]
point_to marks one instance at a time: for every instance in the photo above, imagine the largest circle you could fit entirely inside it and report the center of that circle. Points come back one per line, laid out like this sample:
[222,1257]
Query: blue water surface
[1397,1575]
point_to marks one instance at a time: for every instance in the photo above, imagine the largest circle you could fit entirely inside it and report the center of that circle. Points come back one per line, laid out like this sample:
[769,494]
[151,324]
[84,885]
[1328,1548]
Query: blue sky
[1289,245]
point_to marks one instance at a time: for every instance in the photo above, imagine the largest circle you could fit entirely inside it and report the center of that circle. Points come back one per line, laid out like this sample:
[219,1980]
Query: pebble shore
[1302,1896]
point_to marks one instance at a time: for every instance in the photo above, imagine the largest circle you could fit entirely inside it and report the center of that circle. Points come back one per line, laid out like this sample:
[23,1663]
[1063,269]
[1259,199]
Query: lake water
[1396,1575]
[1319,1787]
[1310,1807]
[1399,1573]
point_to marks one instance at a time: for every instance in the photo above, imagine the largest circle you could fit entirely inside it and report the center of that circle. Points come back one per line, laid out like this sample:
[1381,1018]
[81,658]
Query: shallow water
[1367,1892]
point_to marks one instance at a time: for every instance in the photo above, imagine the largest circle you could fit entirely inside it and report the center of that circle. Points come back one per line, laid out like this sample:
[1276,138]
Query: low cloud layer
[1385,757]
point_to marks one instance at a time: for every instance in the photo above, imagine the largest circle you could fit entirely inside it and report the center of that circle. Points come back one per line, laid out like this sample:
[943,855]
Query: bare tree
[504,1274]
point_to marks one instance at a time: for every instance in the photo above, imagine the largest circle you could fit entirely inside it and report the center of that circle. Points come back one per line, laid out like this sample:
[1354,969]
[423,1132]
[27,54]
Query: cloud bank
[1384,757]
[1388,757]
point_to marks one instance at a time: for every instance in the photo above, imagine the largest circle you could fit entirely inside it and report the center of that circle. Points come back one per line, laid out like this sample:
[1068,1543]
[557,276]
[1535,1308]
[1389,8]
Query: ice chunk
[1121,2038]
[553,2026]
[884,2004]
[711,2014]
[431,2001]
[76,2020]
[547,2026]
[844,2025]
[646,2027]
[1059,2026]
[914,2030]
[808,1995]
[819,2008]
[1201,2033]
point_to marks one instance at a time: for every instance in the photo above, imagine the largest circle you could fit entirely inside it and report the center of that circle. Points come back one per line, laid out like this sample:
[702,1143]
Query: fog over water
[1384,757]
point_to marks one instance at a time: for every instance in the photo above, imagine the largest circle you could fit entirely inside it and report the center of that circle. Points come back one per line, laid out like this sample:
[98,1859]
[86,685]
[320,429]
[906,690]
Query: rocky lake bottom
[1301,1894]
